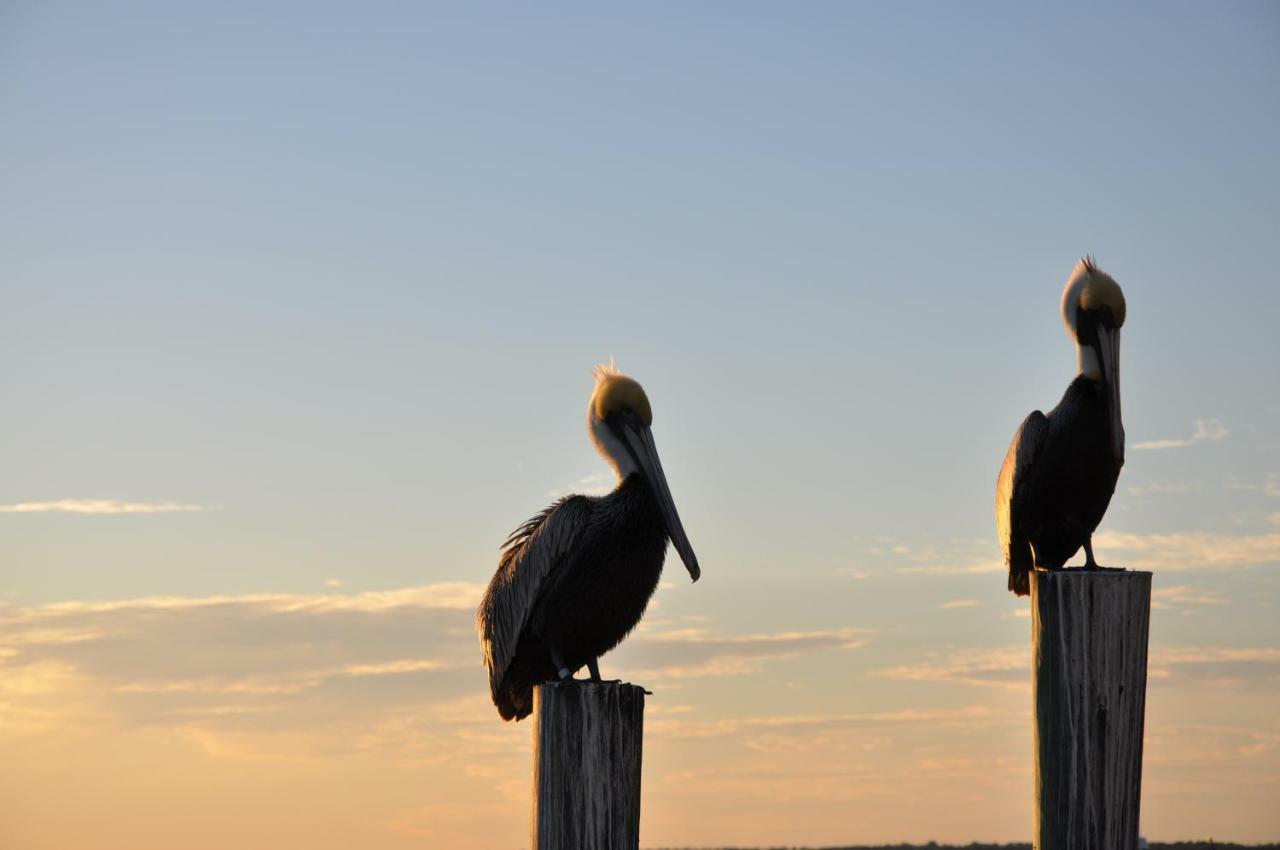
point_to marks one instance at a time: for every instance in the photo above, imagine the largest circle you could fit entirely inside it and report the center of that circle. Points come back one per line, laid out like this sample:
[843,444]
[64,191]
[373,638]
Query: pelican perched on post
[574,580]
[1060,471]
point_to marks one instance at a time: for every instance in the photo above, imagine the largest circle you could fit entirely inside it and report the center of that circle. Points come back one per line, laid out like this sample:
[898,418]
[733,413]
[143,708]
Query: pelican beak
[1109,357]
[640,439]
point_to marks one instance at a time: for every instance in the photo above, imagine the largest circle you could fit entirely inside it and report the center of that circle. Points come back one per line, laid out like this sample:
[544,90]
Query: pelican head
[1093,310]
[619,418]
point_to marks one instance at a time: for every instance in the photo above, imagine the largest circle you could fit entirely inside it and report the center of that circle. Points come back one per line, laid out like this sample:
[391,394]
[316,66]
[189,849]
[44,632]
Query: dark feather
[532,552]
[1056,483]
[1013,492]
[574,579]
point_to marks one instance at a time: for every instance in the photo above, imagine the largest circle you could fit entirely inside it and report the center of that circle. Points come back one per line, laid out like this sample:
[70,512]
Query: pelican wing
[1013,492]
[534,551]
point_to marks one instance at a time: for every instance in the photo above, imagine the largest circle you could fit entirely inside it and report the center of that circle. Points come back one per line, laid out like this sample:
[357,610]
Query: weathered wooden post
[587,741]
[1089,686]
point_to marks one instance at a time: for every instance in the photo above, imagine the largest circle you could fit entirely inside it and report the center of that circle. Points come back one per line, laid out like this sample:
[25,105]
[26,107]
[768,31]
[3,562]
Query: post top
[1073,573]
[1076,580]
[608,684]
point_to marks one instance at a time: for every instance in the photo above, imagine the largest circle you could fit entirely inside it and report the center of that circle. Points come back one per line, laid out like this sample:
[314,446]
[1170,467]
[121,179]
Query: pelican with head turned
[574,580]
[1061,469]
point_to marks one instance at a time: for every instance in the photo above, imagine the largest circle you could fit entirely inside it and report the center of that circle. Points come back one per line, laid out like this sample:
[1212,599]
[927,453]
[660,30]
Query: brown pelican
[1061,469]
[576,578]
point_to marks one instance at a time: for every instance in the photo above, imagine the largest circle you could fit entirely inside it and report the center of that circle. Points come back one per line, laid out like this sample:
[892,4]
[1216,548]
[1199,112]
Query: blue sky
[337,279]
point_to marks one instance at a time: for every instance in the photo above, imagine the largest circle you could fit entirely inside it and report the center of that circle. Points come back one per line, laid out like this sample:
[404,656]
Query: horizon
[302,306]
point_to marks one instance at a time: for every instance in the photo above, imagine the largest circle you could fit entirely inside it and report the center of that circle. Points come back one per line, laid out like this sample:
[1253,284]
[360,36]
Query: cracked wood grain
[587,742]
[1089,682]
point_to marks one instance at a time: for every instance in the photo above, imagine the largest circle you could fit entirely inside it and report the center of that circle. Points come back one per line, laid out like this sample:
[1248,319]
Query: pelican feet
[1091,565]
[566,675]
[593,665]
[1085,567]
[567,678]
[558,660]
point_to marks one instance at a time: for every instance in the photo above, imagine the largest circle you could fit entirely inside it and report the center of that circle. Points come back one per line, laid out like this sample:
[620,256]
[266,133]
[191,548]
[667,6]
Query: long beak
[641,440]
[1109,354]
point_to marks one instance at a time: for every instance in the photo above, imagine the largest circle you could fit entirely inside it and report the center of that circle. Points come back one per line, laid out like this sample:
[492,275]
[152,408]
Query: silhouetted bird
[575,579]
[1061,469]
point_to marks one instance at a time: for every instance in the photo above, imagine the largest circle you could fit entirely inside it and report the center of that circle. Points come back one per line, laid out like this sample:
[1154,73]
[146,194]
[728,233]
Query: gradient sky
[299,308]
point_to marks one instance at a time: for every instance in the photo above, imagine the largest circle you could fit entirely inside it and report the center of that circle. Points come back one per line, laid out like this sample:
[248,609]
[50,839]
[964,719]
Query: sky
[299,307]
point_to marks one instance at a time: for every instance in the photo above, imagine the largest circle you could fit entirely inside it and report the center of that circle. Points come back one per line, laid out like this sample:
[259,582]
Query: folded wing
[1015,493]
[533,552]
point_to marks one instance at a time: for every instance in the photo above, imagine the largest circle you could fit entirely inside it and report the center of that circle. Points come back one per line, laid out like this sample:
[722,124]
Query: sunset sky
[299,309]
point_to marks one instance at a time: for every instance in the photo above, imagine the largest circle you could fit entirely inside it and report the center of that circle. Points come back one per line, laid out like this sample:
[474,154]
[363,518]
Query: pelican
[575,579]
[1061,469]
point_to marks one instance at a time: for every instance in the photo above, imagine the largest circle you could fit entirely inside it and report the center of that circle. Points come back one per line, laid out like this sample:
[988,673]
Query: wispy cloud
[957,568]
[1177,655]
[595,484]
[954,556]
[1175,748]
[1010,666]
[1205,430]
[99,506]
[288,682]
[1183,596]
[1006,666]
[157,655]
[959,603]
[697,652]
[169,661]
[807,725]
[1157,487]
[1188,550]
[1225,666]
[1269,485]
[456,595]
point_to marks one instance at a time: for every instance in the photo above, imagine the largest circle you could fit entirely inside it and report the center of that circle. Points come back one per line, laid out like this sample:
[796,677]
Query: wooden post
[587,741]
[1089,686]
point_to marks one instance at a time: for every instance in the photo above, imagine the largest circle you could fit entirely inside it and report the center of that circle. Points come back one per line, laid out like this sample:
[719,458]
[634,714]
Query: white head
[619,396]
[1093,309]
[1091,298]
[618,419]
